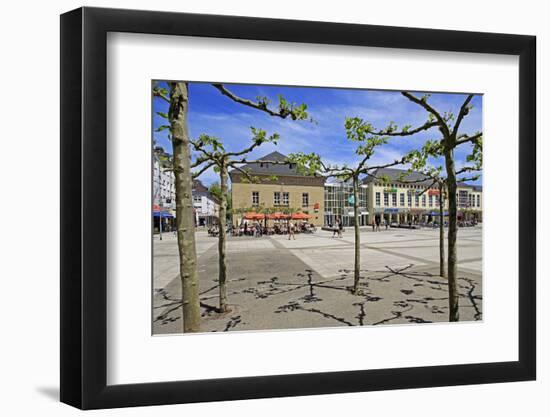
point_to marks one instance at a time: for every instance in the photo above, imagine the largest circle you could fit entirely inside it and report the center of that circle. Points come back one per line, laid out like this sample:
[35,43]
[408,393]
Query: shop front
[418,216]
[163,221]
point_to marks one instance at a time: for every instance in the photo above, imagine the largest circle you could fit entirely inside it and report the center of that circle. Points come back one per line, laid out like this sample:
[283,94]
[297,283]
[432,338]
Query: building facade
[403,197]
[277,186]
[339,203]
[164,191]
[389,194]
[206,207]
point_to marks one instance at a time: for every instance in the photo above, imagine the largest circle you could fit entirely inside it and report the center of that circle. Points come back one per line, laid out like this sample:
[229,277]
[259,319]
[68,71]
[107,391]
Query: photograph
[290,207]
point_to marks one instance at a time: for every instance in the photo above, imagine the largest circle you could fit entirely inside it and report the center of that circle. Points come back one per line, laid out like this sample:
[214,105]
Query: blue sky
[214,114]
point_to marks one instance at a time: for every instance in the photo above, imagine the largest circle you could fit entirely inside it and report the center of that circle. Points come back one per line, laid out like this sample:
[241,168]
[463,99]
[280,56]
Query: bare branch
[247,174]
[464,138]
[157,93]
[427,188]
[200,160]
[249,103]
[204,168]
[200,148]
[256,161]
[408,132]
[424,103]
[245,151]
[390,164]
[464,179]
[467,169]
[464,110]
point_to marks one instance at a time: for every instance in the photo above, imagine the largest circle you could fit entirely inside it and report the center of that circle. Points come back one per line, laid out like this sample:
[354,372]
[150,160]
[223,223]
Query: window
[276,198]
[437,200]
[416,201]
[431,201]
[197,198]
[394,199]
[255,198]
[409,199]
[462,198]
[423,200]
[305,199]
[479,200]
[378,199]
[386,199]
[401,199]
[285,199]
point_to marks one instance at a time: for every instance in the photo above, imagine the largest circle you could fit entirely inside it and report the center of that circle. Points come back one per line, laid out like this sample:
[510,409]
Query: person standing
[291,231]
[377,220]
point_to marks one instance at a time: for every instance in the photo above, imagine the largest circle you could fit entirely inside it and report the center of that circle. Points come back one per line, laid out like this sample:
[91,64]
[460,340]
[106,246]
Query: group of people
[338,228]
[377,221]
[256,229]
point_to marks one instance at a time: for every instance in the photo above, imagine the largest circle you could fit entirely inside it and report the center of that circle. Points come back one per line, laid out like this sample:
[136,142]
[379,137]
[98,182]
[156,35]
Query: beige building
[397,200]
[277,186]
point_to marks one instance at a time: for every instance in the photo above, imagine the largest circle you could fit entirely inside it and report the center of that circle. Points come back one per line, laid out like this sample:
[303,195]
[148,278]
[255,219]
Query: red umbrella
[254,216]
[301,216]
[278,216]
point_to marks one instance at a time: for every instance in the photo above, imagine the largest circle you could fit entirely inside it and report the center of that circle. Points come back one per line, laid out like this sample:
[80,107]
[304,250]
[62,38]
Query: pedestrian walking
[335,228]
[377,220]
[340,228]
[258,229]
[291,231]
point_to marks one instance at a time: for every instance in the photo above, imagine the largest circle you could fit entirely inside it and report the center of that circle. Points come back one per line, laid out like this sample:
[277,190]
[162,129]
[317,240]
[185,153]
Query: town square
[318,218]
[279,283]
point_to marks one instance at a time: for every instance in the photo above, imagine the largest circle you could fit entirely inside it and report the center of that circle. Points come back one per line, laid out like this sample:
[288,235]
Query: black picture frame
[84,207]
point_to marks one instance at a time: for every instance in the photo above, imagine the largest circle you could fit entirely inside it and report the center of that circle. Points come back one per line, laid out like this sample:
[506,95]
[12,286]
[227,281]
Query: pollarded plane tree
[433,176]
[449,139]
[211,153]
[176,95]
[368,139]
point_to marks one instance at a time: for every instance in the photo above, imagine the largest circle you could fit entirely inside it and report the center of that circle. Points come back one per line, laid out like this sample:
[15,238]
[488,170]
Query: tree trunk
[222,270]
[357,263]
[185,222]
[452,258]
[441,233]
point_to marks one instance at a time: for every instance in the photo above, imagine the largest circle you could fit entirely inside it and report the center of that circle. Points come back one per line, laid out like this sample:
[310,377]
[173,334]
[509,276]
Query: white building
[164,186]
[205,205]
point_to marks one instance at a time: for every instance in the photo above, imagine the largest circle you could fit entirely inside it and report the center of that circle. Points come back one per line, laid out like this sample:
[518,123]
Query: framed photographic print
[258,208]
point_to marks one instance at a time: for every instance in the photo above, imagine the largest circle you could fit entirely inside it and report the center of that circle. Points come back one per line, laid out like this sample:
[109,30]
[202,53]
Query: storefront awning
[162,214]
[436,213]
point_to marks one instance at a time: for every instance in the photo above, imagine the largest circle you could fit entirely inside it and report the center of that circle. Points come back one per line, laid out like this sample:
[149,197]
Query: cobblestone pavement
[276,283]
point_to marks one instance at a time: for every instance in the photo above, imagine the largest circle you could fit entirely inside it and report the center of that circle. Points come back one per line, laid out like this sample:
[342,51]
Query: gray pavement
[276,283]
